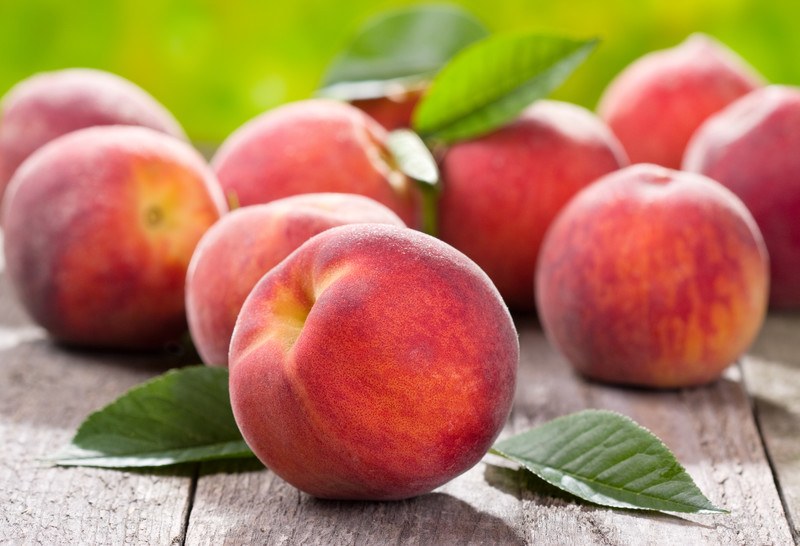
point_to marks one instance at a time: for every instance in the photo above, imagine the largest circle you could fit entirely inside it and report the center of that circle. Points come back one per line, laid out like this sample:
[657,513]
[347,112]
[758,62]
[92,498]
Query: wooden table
[739,439]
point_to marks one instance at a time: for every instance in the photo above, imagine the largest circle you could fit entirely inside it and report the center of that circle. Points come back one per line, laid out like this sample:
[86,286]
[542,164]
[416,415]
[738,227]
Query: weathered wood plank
[772,375]
[45,392]
[711,430]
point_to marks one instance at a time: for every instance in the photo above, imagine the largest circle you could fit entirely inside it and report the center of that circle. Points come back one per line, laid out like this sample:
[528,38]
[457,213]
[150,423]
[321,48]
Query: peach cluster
[51,104]
[367,360]
[250,241]
[102,214]
[657,277]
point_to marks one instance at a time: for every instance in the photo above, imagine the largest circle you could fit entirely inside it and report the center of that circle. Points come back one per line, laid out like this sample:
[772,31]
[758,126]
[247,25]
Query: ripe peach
[751,148]
[375,362]
[314,146]
[653,277]
[250,241]
[100,225]
[502,190]
[51,104]
[393,111]
[656,103]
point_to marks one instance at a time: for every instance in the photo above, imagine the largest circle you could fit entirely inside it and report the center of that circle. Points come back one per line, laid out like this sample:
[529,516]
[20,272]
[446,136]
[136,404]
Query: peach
[100,225]
[314,146]
[250,241]
[394,111]
[51,104]
[751,148]
[375,362]
[657,102]
[501,191]
[653,277]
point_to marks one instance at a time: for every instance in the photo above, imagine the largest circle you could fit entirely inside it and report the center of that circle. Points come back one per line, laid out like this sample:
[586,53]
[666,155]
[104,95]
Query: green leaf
[606,458]
[415,160]
[412,157]
[489,83]
[400,48]
[181,416]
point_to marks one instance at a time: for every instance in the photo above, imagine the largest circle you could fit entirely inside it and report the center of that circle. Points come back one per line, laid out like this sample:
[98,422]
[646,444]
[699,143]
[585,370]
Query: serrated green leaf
[490,82]
[398,49]
[606,458]
[181,416]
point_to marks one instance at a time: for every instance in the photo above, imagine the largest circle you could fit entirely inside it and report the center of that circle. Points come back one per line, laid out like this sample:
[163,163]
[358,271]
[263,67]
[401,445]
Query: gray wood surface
[772,374]
[46,390]
[45,393]
[711,430]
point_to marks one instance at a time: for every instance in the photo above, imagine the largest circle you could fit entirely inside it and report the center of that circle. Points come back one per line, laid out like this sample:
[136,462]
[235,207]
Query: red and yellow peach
[656,103]
[751,147]
[501,191]
[314,146]
[375,362]
[100,225]
[653,277]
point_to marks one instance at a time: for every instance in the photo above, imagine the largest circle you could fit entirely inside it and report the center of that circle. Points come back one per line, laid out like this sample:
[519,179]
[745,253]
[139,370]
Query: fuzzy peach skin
[314,146]
[50,104]
[656,103]
[501,191]
[100,225]
[653,277]
[753,148]
[375,362]
[393,111]
[249,242]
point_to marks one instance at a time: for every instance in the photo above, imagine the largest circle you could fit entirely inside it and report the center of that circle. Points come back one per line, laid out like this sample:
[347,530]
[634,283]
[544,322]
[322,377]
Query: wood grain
[772,374]
[711,430]
[45,392]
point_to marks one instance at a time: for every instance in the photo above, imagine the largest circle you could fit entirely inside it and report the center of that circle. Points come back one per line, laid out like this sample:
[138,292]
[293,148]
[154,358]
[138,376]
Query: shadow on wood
[260,508]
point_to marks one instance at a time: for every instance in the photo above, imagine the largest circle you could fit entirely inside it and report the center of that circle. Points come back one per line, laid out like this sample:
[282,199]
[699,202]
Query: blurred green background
[215,64]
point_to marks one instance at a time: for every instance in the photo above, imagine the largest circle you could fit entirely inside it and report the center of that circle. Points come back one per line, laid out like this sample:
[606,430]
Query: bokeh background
[217,63]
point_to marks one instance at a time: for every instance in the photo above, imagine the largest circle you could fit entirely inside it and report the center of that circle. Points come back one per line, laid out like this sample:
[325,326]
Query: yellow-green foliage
[216,63]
